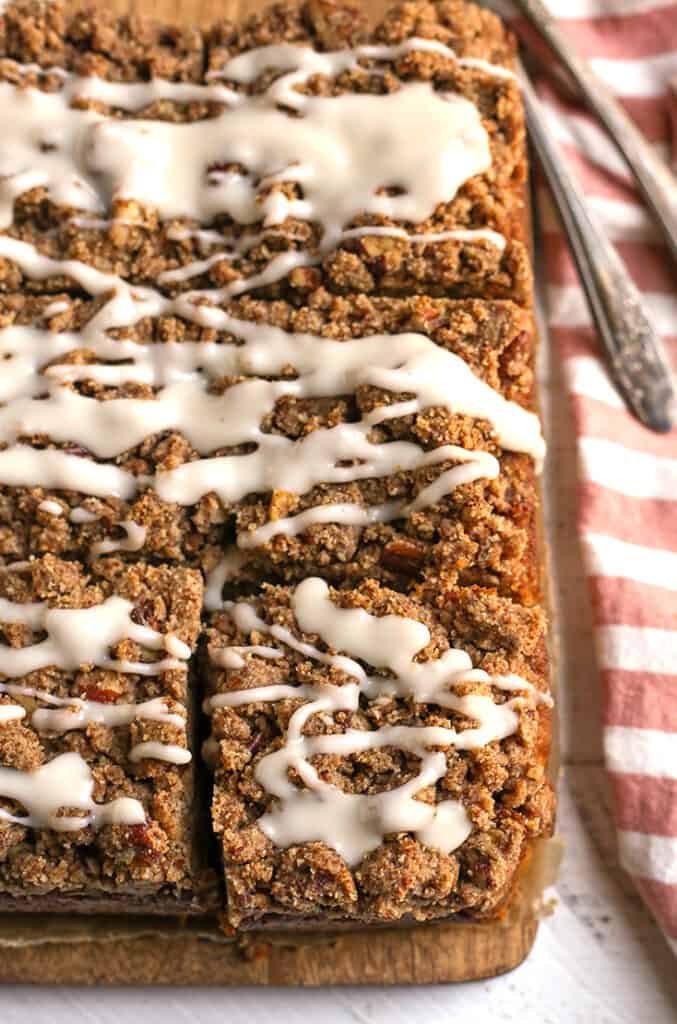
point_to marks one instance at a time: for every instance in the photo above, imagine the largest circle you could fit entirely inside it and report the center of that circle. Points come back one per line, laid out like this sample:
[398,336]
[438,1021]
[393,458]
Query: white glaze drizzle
[65,781]
[80,515]
[170,752]
[473,466]
[52,508]
[428,238]
[195,268]
[226,569]
[22,466]
[355,824]
[206,237]
[81,636]
[49,143]
[177,648]
[69,713]
[342,151]
[290,57]
[407,362]
[59,306]
[231,657]
[335,149]
[281,265]
[134,539]
[11,713]
[133,96]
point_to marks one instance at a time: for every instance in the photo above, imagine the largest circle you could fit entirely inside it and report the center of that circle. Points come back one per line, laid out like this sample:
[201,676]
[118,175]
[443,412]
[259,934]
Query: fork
[633,348]
[654,178]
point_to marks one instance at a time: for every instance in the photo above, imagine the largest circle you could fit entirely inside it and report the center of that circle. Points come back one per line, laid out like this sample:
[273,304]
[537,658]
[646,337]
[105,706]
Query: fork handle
[633,348]
[654,178]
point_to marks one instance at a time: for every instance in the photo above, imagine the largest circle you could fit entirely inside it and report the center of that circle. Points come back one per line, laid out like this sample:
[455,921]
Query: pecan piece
[403,556]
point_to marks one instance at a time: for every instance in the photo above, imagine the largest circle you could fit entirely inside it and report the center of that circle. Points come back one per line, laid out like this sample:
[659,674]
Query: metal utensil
[632,347]
[654,178]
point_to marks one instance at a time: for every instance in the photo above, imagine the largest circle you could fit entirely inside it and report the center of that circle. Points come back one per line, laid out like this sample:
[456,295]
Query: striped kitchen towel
[627,508]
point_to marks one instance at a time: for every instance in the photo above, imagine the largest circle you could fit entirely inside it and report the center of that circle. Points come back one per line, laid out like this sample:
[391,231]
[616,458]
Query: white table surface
[599,959]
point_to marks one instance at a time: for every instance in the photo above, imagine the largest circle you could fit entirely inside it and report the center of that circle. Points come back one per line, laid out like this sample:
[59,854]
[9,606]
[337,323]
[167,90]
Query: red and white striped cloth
[627,508]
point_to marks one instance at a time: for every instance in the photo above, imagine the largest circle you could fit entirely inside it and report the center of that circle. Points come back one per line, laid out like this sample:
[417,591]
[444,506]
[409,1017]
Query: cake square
[376,759]
[97,791]
[239,216]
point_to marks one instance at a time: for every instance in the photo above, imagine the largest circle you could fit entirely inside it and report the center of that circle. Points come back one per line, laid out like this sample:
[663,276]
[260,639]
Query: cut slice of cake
[97,803]
[375,758]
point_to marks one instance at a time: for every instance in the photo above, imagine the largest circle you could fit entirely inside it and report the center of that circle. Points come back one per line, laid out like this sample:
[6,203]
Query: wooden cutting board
[105,951]
[422,955]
